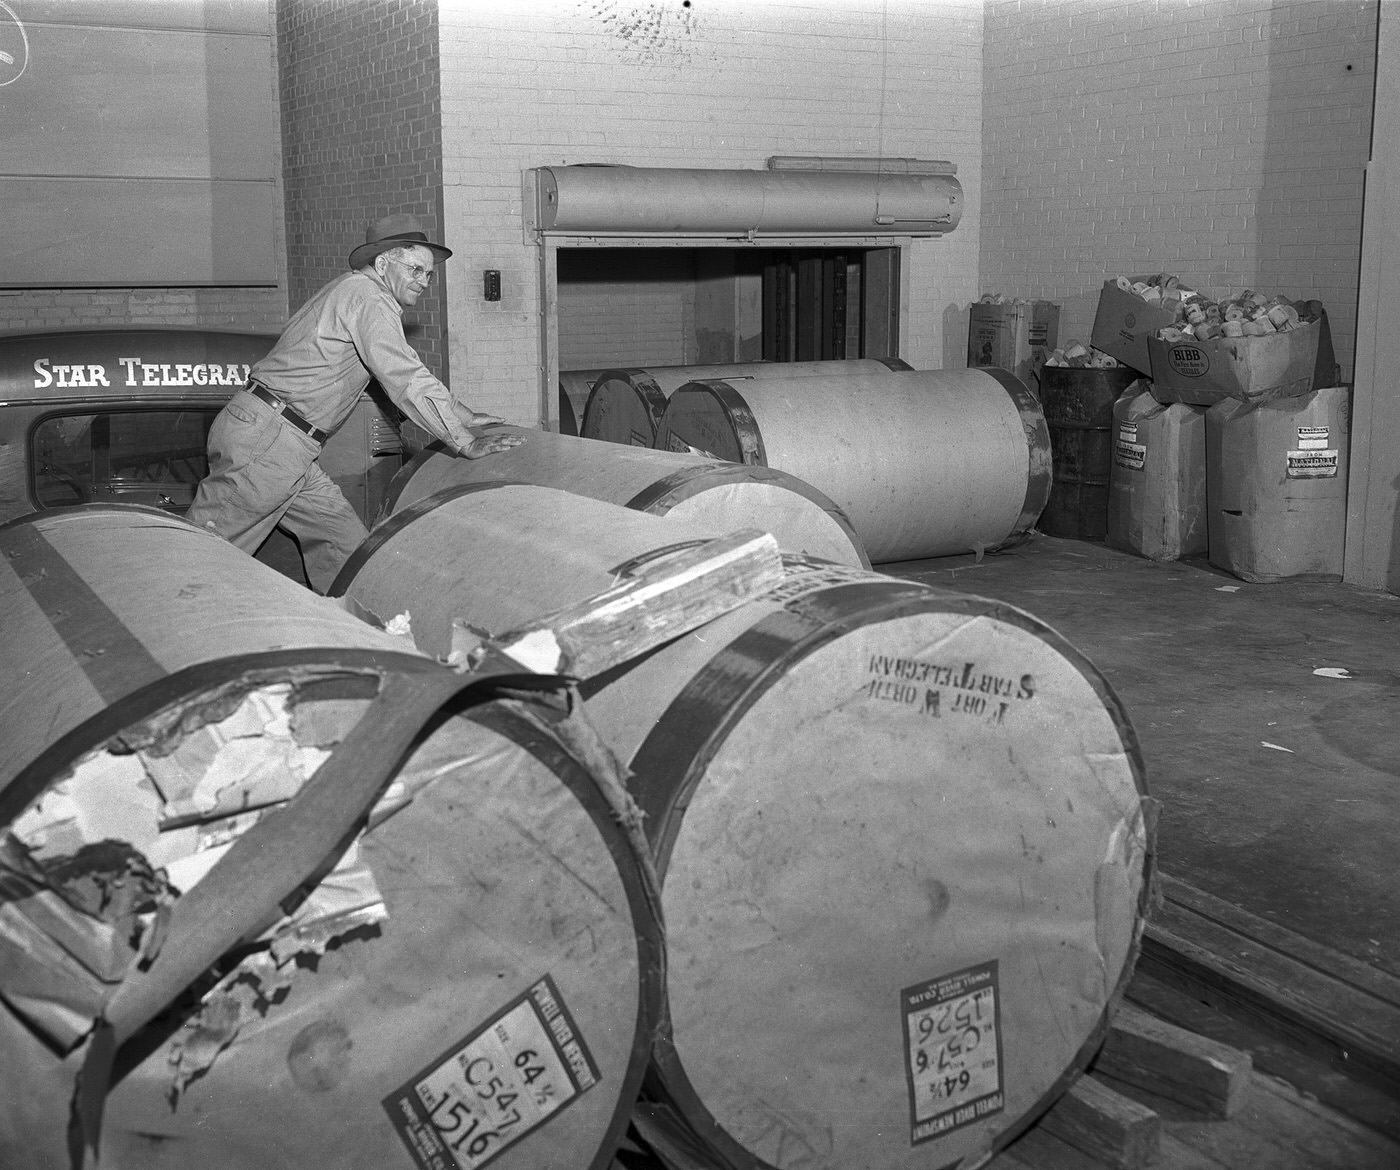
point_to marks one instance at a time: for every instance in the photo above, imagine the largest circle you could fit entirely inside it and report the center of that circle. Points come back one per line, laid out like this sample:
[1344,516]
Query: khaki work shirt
[348,332]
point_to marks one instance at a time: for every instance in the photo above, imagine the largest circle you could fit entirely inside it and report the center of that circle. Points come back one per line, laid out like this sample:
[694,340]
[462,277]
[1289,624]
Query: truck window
[154,457]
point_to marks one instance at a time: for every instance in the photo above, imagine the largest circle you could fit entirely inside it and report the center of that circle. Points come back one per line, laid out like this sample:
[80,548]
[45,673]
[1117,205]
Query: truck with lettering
[122,416]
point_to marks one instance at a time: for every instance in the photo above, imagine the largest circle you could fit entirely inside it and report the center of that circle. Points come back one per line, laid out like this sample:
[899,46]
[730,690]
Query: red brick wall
[361,138]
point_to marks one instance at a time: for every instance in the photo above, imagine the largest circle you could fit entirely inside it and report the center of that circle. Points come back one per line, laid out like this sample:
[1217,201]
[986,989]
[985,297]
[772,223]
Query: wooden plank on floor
[1281,1129]
[1372,1106]
[1363,977]
[1144,1051]
[1038,1149]
[1310,996]
[1115,1129]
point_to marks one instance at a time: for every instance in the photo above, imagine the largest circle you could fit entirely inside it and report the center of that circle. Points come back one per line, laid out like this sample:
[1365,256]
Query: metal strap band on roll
[745,443]
[632,404]
[659,497]
[112,658]
[720,493]
[405,474]
[390,526]
[1040,472]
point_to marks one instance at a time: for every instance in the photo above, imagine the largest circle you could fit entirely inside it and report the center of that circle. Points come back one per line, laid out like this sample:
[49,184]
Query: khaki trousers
[263,474]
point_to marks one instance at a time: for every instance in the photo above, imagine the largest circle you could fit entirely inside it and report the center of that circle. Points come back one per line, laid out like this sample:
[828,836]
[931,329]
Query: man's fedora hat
[394,231]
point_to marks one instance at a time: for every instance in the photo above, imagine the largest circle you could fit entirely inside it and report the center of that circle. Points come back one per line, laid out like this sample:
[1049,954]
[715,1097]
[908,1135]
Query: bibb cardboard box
[1250,369]
[1016,336]
[1124,322]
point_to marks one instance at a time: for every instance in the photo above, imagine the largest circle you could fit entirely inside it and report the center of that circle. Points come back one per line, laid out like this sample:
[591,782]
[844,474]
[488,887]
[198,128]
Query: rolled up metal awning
[594,199]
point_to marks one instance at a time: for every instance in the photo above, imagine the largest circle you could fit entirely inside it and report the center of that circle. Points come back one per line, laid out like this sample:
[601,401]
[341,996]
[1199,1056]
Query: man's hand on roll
[490,445]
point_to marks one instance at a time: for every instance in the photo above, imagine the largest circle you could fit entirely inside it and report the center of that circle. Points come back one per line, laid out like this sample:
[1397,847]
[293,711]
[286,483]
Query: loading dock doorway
[806,260]
[615,304]
[827,304]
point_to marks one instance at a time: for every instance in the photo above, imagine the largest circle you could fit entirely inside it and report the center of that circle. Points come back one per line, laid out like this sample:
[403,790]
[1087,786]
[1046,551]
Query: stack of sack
[1233,443]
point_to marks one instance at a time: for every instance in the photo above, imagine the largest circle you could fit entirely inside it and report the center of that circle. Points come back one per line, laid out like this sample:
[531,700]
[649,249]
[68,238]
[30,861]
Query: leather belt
[258,390]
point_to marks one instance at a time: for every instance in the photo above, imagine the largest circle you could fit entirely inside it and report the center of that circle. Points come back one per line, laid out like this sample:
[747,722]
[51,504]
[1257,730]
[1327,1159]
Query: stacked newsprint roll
[903,833]
[300,895]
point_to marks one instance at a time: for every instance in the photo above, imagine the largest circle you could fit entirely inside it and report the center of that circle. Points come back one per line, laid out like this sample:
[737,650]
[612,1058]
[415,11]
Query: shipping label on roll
[952,1051]
[1313,464]
[1127,451]
[488,1091]
[1313,438]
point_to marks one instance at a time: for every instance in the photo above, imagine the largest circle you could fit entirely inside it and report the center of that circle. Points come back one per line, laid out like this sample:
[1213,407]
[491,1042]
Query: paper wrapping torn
[108,797]
[347,899]
[89,871]
[247,760]
[70,929]
[206,1034]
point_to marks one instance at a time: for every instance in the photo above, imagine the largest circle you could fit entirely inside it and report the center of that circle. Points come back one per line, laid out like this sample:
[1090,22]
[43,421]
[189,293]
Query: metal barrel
[1078,405]
[903,833]
[925,463]
[680,486]
[475,969]
[625,405]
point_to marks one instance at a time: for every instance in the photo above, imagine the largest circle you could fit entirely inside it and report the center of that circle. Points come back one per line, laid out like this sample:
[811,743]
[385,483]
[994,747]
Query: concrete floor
[1279,785]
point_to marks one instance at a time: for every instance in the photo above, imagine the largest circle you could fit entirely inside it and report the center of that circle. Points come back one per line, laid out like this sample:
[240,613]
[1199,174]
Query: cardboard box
[1250,369]
[1124,322]
[1016,336]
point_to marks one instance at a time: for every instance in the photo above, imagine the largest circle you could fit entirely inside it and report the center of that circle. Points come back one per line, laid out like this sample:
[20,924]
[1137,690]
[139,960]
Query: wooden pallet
[1318,1034]
[1333,1008]
[1275,1128]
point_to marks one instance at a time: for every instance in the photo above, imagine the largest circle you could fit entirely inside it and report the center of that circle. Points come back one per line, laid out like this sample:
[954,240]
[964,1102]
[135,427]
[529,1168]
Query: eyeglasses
[415,271]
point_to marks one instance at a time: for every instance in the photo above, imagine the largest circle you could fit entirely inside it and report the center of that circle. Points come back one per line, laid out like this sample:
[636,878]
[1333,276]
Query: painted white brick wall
[1224,141]
[718,83]
[636,307]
